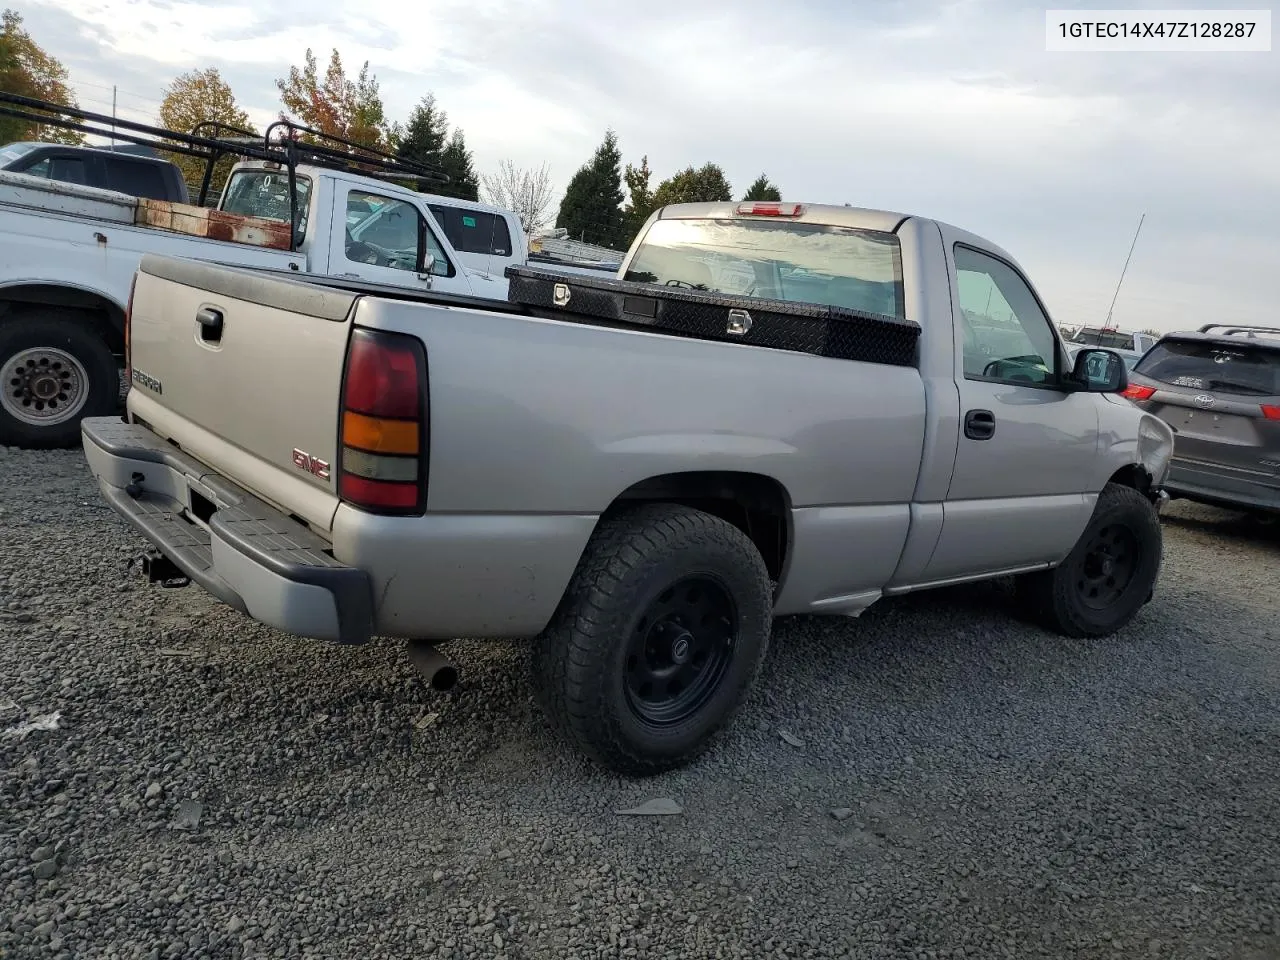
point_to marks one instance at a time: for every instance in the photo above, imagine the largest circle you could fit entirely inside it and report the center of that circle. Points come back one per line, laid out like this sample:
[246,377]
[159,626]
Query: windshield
[1096,337]
[265,193]
[1199,365]
[13,151]
[776,260]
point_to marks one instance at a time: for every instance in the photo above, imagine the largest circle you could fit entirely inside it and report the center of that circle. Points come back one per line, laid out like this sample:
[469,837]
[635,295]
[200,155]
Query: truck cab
[358,228]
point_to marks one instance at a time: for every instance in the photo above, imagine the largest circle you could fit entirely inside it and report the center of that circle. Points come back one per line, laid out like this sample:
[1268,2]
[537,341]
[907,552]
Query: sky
[950,110]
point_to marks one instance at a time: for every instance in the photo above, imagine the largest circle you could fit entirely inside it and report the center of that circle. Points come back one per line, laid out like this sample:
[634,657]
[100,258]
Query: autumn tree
[703,185]
[640,199]
[193,98]
[592,206]
[336,106]
[26,70]
[762,189]
[527,193]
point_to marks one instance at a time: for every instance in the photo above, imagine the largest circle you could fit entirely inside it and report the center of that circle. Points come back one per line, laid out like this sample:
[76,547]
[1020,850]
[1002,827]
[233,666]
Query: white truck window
[265,193]
[1007,336]
[473,231]
[392,234]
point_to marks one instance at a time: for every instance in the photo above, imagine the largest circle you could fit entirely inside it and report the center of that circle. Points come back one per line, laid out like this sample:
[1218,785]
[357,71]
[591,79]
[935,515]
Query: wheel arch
[757,504]
[101,312]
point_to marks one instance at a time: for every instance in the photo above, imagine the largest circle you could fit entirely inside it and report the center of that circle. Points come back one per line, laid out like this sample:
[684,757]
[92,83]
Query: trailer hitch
[159,569]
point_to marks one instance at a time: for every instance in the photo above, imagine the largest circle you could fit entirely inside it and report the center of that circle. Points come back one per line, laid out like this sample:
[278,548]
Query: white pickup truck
[777,409]
[68,254]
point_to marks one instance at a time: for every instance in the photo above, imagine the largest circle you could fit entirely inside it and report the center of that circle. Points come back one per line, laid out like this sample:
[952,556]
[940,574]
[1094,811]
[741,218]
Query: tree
[703,185]
[762,189]
[456,161]
[592,206]
[336,106]
[427,142]
[425,135]
[640,204]
[192,98]
[26,70]
[527,193]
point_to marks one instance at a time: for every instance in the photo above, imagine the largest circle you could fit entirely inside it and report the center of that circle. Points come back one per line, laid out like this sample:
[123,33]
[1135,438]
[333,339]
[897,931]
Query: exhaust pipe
[440,673]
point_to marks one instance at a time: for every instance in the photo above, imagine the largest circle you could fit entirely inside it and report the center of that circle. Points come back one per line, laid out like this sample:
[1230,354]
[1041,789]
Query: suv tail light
[1270,412]
[1136,391]
[383,435]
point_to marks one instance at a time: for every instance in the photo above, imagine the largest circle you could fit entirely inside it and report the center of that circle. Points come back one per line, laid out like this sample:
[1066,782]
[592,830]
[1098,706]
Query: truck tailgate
[244,373]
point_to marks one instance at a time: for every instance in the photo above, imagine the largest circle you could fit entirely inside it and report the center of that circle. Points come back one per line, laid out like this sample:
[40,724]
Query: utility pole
[1107,324]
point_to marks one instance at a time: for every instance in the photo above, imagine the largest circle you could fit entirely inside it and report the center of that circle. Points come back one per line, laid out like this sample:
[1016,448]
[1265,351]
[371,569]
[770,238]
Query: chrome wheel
[43,386]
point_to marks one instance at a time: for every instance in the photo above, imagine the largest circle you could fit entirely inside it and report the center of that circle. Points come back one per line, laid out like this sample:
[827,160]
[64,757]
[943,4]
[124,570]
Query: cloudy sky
[946,109]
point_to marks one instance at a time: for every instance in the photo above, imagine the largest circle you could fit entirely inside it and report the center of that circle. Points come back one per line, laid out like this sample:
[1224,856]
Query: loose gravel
[933,780]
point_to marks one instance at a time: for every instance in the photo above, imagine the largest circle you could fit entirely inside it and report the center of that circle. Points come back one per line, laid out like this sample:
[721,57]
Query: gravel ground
[933,780]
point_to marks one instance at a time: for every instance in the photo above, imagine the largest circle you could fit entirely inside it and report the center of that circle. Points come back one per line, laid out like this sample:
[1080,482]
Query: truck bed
[36,195]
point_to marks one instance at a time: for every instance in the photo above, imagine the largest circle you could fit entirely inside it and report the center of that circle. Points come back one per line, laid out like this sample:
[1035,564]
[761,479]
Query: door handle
[979,424]
[210,321]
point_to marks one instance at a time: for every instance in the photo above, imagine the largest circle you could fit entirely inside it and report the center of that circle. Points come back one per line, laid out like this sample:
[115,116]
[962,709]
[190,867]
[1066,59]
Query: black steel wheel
[661,632]
[1112,557]
[680,649]
[1109,575]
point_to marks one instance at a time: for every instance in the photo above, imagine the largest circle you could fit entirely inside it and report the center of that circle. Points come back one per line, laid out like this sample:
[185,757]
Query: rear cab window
[1244,369]
[265,194]
[792,261]
[136,178]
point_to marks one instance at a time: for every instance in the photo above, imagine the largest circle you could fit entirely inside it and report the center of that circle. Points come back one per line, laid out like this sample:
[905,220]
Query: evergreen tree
[762,189]
[424,137]
[456,162]
[592,205]
[640,204]
[703,185]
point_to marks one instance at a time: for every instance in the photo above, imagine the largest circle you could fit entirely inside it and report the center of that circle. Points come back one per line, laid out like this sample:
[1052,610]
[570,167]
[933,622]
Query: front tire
[661,632]
[1109,574]
[54,371]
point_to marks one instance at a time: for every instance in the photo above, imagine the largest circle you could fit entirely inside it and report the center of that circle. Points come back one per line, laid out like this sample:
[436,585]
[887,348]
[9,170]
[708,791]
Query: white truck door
[385,239]
[1026,453]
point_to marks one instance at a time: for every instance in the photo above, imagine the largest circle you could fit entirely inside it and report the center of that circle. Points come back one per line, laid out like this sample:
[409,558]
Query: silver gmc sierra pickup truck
[341,460]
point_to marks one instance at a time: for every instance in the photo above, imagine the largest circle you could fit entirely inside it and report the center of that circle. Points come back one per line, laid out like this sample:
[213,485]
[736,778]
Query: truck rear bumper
[238,548]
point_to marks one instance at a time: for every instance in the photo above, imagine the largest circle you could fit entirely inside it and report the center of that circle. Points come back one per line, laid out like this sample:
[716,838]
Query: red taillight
[1136,391]
[382,438]
[1270,412]
[770,209]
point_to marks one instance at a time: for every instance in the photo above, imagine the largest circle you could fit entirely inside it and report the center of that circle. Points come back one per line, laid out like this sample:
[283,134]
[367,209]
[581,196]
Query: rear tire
[1109,574]
[54,371]
[661,632]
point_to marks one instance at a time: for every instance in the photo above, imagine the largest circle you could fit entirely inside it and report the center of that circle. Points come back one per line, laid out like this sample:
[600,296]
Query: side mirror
[1100,371]
[428,263]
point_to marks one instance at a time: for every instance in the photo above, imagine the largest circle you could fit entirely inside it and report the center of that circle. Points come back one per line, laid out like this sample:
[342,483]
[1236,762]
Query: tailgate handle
[210,321]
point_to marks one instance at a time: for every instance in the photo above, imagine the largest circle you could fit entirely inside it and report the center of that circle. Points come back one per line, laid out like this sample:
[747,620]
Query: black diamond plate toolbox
[824,331]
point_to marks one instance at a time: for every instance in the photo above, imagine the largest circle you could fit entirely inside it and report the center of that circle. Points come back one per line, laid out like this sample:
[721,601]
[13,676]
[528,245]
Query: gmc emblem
[312,465]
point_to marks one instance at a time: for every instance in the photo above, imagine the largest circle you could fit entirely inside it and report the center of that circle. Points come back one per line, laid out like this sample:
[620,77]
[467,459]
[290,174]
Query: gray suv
[1219,389]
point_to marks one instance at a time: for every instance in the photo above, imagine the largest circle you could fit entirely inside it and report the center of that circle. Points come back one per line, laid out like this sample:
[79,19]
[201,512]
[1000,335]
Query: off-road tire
[1057,598]
[63,330]
[580,662]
